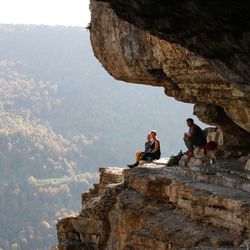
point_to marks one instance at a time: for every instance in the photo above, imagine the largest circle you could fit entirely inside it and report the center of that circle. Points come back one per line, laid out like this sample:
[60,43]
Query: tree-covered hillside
[69,89]
[61,117]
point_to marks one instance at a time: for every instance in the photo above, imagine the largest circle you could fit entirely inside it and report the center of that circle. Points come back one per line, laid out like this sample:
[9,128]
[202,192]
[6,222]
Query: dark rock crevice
[232,137]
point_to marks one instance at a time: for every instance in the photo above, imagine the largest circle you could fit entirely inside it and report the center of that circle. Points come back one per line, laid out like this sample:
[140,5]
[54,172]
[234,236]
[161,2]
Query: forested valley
[61,118]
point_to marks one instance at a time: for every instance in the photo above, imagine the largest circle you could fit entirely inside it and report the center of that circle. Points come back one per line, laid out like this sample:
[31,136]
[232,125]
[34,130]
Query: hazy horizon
[62,117]
[46,12]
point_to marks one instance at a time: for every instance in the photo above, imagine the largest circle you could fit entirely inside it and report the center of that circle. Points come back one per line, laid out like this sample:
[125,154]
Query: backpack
[212,145]
[174,159]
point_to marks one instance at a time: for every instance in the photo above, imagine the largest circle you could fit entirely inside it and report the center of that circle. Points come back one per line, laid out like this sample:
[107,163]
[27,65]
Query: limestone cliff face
[139,51]
[155,207]
[217,31]
[198,51]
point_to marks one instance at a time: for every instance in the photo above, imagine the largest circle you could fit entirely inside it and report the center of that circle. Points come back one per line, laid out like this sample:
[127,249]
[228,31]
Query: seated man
[139,154]
[195,137]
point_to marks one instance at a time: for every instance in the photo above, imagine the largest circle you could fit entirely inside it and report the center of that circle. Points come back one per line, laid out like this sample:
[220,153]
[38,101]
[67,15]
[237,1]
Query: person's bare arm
[191,133]
[157,144]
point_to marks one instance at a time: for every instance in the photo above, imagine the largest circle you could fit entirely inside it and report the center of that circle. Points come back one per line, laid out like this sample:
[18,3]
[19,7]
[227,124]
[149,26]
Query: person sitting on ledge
[154,149]
[154,152]
[139,154]
[195,137]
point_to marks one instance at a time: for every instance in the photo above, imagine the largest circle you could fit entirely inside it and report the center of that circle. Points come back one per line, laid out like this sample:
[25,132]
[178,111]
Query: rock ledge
[159,207]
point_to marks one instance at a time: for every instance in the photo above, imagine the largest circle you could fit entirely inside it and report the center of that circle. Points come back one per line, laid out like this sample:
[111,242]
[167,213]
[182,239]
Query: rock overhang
[132,51]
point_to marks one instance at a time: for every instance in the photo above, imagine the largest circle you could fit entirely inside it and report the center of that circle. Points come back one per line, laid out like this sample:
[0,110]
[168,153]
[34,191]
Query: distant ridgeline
[62,117]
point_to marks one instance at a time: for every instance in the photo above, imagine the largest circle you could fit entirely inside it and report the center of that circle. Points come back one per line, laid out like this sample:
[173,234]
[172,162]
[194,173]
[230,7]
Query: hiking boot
[133,165]
[136,164]
[130,165]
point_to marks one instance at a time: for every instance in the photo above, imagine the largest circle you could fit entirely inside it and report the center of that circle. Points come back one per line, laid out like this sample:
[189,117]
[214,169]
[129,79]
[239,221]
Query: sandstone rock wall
[132,54]
[154,207]
[198,51]
[217,31]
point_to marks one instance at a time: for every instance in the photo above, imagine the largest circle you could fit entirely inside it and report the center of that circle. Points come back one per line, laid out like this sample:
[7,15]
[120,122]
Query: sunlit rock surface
[217,32]
[198,51]
[130,53]
[159,207]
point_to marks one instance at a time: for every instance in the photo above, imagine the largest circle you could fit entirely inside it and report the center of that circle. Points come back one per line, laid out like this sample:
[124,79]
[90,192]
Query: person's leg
[189,144]
[138,156]
[137,159]
[156,157]
[146,157]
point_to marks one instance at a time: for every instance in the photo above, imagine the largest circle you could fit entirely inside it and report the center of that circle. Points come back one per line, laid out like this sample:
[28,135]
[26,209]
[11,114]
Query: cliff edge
[198,51]
[159,207]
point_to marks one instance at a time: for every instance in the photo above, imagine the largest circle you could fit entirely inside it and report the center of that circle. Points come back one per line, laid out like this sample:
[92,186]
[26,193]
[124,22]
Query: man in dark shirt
[195,136]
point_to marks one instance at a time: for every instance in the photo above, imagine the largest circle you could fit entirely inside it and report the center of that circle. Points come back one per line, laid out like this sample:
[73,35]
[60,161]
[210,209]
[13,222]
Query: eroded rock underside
[155,207]
[197,50]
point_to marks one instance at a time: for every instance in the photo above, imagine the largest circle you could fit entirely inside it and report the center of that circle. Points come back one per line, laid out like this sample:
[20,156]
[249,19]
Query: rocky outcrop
[217,32]
[155,207]
[198,51]
[136,44]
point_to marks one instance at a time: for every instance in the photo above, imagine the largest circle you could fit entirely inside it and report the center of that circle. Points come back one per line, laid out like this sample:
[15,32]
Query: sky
[48,12]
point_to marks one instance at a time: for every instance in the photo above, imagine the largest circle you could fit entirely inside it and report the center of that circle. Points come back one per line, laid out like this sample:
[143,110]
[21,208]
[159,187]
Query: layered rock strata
[155,207]
[198,51]
[217,31]
[132,54]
